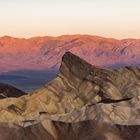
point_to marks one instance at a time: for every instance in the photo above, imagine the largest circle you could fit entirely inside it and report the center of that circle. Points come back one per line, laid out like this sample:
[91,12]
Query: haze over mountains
[44,53]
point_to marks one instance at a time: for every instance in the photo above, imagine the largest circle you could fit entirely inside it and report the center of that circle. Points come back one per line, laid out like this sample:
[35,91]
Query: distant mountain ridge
[43,53]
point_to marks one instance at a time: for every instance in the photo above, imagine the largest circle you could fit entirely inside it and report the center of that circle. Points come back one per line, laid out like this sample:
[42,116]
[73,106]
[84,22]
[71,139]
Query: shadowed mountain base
[86,130]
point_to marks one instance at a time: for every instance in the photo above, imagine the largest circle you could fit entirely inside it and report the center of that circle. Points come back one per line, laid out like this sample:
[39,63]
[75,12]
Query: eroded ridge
[81,94]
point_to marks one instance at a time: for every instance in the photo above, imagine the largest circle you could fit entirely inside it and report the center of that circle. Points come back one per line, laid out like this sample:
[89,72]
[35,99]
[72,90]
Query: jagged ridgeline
[83,102]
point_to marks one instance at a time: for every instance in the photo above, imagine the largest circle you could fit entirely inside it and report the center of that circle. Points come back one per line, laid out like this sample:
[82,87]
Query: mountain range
[83,102]
[45,53]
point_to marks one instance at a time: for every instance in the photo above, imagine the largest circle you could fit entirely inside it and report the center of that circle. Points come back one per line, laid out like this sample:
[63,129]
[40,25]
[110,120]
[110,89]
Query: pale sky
[109,18]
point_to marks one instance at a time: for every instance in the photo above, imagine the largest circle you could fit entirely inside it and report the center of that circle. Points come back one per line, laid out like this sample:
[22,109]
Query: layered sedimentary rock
[83,102]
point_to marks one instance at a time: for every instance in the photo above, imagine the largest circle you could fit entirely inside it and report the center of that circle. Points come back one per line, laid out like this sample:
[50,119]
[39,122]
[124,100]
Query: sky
[108,18]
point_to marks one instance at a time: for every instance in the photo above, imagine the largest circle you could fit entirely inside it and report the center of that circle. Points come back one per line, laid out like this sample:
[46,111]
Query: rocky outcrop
[83,102]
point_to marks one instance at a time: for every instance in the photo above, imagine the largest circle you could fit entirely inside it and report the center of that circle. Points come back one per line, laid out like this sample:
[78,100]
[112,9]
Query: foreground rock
[83,102]
[85,130]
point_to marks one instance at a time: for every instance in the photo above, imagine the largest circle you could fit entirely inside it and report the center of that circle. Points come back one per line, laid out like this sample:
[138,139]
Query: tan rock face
[83,102]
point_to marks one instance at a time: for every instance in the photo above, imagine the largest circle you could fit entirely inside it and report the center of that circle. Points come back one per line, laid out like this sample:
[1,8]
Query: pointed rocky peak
[74,65]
